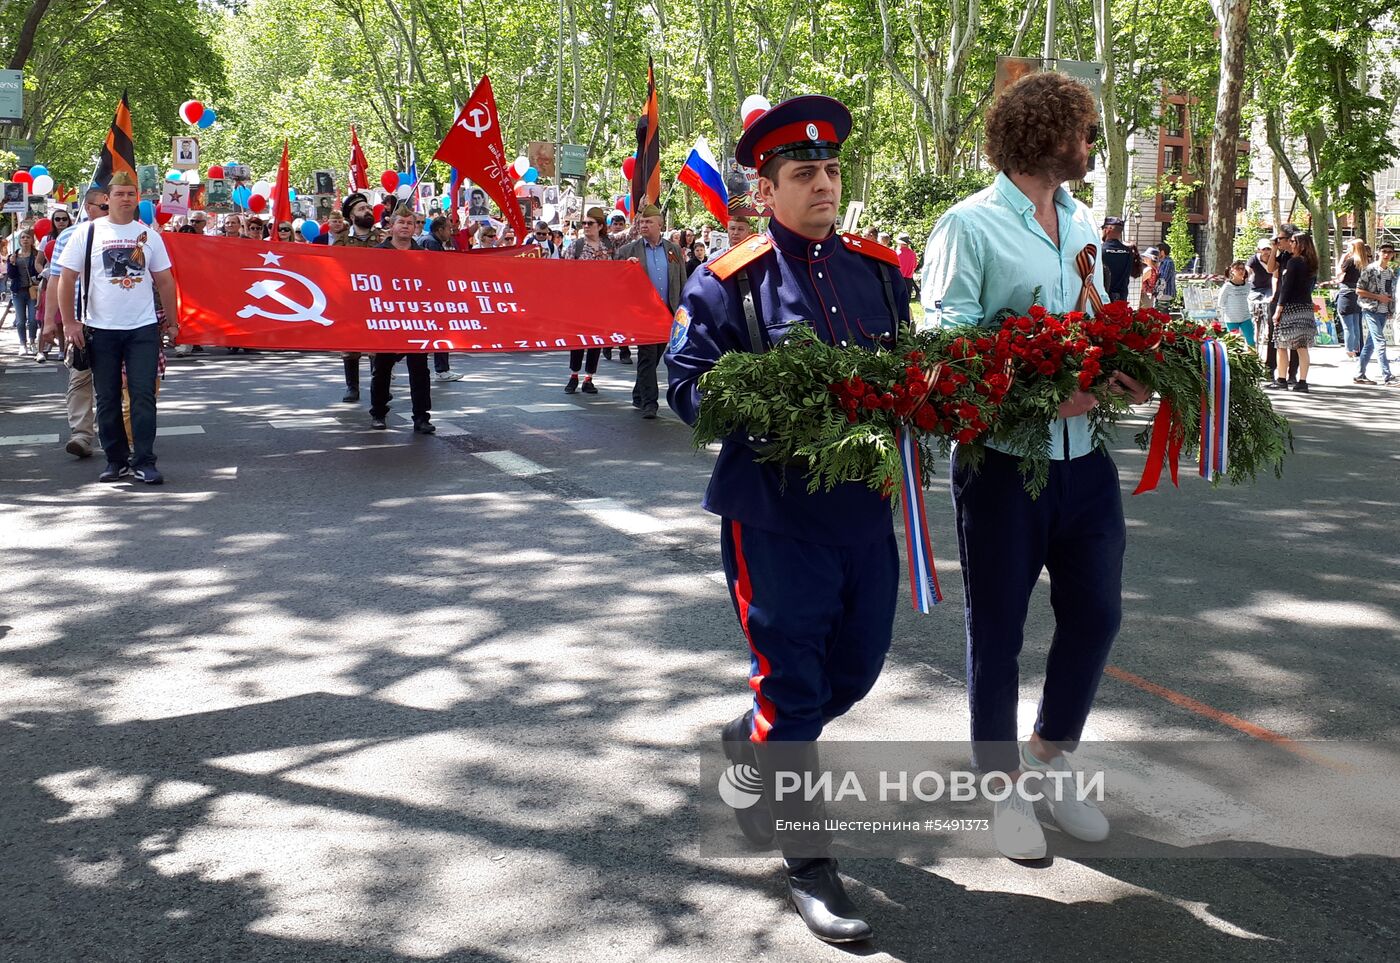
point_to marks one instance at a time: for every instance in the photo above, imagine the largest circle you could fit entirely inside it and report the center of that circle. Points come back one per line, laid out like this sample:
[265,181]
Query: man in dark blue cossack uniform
[813,576]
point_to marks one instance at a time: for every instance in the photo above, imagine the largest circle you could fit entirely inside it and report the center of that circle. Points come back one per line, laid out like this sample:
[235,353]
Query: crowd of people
[35,266]
[1268,299]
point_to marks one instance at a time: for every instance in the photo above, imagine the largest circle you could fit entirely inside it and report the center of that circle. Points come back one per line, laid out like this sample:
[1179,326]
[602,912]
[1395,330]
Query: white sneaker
[449,376]
[1080,818]
[41,356]
[1017,832]
[24,351]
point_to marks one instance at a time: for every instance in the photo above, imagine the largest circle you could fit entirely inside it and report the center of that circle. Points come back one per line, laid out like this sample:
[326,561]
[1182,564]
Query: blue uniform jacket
[841,294]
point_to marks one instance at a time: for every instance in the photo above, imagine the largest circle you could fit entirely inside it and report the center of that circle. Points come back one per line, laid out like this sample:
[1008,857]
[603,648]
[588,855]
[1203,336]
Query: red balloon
[621,204]
[191,111]
[389,180]
[216,172]
[628,166]
[256,203]
[379,212]
[42,227]
[162,216]
[752,116]
[23,177]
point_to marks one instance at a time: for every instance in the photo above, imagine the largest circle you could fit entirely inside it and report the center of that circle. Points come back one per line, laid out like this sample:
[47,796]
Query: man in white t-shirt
[126,266]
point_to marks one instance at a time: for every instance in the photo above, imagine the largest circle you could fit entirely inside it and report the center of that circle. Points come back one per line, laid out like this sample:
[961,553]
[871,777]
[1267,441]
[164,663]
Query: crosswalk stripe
[615,515]
[308,423]
[512,464]
[29,440]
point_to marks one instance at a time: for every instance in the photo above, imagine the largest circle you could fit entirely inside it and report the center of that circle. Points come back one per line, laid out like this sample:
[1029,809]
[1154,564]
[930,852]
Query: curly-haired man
[1005,247]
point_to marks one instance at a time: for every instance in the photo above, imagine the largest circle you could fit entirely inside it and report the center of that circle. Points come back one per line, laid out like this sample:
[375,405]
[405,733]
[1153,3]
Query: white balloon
[547,213]
[404,191]
[296,224]
[521,165]
[263,189]
[42,185]
[754,102]
[190,177]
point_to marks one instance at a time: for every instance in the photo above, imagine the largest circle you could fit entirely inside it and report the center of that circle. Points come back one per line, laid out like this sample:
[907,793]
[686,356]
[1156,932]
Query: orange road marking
[1222,717]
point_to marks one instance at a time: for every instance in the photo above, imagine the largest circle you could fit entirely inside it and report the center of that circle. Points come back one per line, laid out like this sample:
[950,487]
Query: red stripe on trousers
[743,591]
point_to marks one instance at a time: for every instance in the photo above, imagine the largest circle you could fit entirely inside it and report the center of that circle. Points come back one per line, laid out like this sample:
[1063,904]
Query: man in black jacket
[401,229]
[1121,262]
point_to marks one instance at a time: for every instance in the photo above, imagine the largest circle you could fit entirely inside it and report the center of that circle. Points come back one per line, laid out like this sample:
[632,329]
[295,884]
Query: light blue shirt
[988,253]
[656,267]
[56,271]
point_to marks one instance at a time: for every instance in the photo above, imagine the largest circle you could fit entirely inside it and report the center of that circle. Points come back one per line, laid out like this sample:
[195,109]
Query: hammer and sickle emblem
[480,121]
[271,290]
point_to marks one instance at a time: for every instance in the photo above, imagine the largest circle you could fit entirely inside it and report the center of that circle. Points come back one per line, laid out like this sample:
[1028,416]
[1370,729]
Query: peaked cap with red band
[803,128]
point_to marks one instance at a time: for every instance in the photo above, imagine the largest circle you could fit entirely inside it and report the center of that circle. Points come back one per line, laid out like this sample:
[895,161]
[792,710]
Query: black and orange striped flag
[646,175]
[118,150]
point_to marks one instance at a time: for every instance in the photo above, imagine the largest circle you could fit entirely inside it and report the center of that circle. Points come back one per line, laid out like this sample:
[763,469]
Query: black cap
[348,205]
[803,128]
[1111,222]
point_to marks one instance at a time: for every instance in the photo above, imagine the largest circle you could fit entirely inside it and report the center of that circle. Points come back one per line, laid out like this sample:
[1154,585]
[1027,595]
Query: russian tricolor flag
[701,174]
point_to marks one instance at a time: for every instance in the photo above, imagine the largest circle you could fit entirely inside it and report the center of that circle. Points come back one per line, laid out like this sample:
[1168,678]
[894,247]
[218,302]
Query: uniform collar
[795,245]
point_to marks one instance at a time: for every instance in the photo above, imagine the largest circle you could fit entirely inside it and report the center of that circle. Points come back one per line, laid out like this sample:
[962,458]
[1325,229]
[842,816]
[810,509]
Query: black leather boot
[755,822]
[819,896]
[814,887]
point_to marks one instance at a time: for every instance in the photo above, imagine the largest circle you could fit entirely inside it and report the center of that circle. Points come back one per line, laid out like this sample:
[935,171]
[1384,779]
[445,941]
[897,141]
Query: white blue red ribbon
[1215,410]
[923,580]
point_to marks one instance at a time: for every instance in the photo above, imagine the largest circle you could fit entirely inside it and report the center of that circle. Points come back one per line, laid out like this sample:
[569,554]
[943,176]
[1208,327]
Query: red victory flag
[473,146]
[281,201]
[118,150]
[308,297]
[646,174]
[359,167]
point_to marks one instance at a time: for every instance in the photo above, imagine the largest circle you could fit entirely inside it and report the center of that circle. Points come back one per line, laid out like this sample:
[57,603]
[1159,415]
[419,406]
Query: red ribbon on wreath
[1167,438]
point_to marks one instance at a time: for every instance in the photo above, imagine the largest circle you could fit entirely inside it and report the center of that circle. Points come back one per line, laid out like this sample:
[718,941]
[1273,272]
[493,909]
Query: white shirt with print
[124,256]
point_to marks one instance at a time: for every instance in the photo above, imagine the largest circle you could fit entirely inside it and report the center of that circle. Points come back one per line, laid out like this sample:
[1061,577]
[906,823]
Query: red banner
[359,167]
[474,147]
[281,196]
[312,297]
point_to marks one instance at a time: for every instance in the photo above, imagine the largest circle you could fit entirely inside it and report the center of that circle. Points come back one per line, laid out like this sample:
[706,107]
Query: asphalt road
[333,694]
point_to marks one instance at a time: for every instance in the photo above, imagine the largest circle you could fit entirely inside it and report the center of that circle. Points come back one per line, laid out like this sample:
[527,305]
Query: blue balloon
[147,212]
[241,195]
[206,119]
[38,170]
[404,179]
[173,176]
[531,175]
[310,230]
